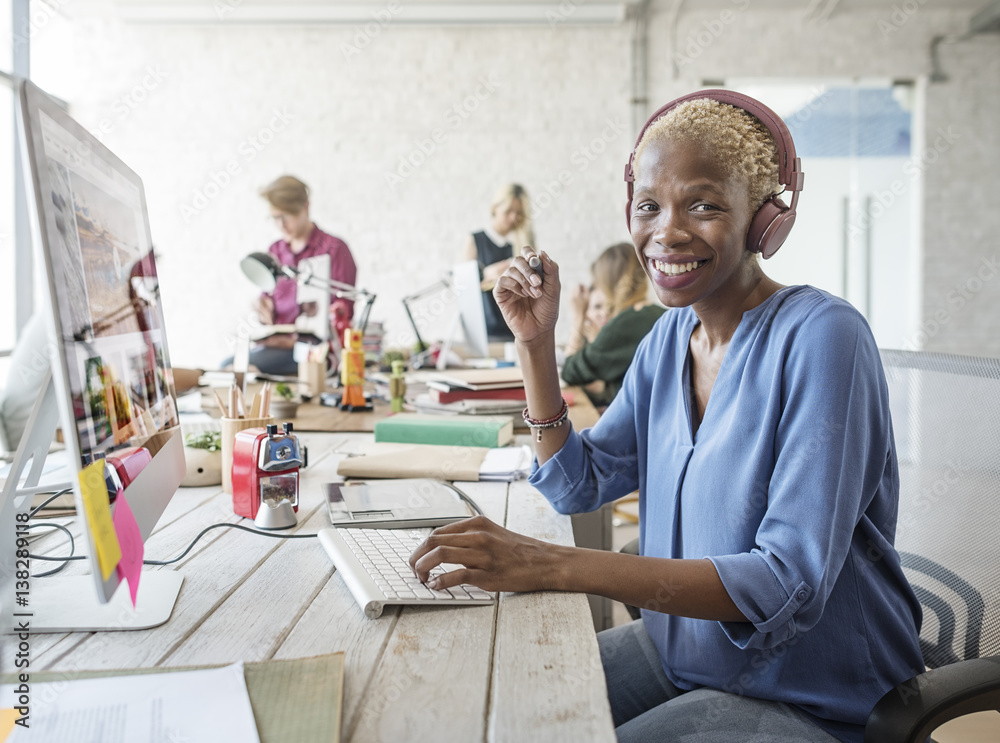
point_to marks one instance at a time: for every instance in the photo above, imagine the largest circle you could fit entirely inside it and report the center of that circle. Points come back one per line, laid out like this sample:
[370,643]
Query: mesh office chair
[946,421]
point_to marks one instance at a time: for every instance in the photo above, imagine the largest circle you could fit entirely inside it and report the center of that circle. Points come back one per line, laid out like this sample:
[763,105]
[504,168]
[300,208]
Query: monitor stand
[68,604]
[446,356]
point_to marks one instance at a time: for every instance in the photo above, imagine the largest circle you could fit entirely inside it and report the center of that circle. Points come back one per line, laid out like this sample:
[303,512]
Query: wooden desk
[525,669]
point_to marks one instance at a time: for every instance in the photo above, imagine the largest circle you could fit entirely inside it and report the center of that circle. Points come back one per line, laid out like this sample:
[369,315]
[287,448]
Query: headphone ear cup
[769,227]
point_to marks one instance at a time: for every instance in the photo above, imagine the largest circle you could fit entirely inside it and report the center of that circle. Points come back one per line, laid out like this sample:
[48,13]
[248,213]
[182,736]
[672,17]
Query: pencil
[233,412]
[265,400]
[222,406]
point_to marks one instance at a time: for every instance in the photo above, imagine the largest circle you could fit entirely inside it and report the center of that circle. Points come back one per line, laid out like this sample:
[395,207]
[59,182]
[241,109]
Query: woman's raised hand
[529,299]
[579,300]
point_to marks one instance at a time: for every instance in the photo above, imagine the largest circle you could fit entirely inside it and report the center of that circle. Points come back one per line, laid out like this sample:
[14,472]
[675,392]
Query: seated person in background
[301,239]
[510,227]
[590,313]
[599,365]
[755,423]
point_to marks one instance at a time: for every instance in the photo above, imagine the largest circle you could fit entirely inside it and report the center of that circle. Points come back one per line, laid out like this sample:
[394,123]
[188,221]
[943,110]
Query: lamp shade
[262,269]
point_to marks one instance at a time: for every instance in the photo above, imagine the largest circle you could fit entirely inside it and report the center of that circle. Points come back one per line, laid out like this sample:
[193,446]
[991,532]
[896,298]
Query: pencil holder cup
[230,427]
[312,374]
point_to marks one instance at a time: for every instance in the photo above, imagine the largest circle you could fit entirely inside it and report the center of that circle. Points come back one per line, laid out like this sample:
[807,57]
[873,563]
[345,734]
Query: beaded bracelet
[554,422]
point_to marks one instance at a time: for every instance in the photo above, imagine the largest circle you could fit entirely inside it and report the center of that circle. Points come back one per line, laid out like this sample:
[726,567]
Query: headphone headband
[789,174]
[762,237]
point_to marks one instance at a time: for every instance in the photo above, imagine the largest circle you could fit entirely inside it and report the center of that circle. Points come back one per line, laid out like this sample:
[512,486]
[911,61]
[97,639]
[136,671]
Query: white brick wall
[961,224]
[555,106]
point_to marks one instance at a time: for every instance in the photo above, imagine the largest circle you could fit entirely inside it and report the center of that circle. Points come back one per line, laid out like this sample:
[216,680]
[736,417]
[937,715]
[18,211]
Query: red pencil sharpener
[266,476]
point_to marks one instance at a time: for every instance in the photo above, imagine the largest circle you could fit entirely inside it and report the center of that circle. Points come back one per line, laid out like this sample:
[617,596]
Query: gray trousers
[647,707]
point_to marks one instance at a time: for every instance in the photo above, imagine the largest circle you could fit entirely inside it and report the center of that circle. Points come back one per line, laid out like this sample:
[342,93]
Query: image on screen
[108,303]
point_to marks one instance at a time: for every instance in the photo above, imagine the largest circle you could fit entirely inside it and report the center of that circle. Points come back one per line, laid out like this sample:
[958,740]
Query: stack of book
[371,342]
[474,392]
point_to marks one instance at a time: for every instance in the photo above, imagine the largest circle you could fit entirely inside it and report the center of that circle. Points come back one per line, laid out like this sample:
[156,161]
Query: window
[7,283]
[8,325]
[6,35]
[854,235]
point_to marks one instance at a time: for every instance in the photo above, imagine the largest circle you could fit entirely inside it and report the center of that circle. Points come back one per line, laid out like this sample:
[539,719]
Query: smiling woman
[754,423]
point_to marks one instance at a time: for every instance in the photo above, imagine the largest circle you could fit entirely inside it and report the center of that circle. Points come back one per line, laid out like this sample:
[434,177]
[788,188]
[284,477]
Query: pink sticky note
[129,568]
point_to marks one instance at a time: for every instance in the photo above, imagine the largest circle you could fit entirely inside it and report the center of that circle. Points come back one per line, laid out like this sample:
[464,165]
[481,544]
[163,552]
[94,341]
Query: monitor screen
[109,318]
[110,364]
[465,278]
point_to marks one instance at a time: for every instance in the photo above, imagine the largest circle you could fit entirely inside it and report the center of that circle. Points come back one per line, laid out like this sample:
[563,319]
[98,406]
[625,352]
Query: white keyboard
[374,564]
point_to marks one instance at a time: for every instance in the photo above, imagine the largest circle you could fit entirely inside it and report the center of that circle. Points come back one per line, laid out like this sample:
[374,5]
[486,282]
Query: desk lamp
[264,270]
[439,285]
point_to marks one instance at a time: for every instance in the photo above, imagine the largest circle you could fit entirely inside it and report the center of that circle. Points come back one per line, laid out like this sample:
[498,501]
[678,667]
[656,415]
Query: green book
[450,430]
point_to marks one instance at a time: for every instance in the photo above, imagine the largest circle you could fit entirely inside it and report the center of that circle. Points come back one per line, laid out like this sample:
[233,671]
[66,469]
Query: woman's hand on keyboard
[494,558]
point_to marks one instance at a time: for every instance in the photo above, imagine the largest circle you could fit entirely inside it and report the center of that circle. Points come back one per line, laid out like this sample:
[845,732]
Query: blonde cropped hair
[736,138]
[618,273]
[287,194]
[523,234]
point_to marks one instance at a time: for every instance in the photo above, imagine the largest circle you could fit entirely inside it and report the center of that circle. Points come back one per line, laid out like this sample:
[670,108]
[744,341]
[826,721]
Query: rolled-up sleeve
[830,453]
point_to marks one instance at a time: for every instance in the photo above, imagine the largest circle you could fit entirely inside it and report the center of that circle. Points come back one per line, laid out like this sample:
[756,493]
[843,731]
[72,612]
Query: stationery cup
[230,427]
[312,374]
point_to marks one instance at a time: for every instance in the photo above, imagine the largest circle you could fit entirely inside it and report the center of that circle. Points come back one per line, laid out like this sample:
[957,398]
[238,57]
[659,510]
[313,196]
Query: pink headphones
[773,221]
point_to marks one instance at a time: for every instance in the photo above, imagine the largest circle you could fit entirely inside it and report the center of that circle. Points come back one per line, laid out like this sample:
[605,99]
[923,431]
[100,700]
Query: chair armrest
[914,709]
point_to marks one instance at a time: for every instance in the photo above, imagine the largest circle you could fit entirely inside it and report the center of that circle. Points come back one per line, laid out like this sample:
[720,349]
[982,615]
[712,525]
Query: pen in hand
[536,264]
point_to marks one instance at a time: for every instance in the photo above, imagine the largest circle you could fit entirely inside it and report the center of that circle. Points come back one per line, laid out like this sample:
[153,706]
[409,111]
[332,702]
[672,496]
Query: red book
[455,394]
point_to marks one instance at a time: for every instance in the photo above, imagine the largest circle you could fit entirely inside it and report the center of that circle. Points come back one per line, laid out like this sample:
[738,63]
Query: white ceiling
[819,6]
[482,11]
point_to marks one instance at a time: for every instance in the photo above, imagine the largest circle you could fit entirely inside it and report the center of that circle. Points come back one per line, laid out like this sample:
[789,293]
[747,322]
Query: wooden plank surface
[438,659]
[524,669]
[548,683]
[216,567]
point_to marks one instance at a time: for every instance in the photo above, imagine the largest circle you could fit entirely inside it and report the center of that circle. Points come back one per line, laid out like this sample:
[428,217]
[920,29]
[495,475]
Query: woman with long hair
[599,365]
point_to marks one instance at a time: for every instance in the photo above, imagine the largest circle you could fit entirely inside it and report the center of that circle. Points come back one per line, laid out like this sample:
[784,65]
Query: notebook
[453,430]
[468,463]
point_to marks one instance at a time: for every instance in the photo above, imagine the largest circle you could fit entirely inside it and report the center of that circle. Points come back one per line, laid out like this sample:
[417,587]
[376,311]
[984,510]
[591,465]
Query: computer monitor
[111,387]
[472,315]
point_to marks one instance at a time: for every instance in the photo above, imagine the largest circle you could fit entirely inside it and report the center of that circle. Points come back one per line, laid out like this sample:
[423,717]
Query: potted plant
[203,455]
[286,404]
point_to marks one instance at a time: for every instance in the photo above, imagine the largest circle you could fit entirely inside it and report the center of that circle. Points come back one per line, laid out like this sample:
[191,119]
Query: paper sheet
[506,464]
[94,491]
[191,706]
[130,540]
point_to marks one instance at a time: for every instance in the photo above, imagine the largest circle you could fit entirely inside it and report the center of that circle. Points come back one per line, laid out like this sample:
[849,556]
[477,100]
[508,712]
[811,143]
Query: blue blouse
[789,486]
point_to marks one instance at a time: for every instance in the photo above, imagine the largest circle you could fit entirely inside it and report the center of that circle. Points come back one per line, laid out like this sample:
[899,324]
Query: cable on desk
[36,509]
[66,558]
[471,503]
[71,556]
[207,529]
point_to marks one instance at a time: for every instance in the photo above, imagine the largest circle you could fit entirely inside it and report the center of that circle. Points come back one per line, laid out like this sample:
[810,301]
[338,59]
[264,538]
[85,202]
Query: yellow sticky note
[7,719]
[102,530]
